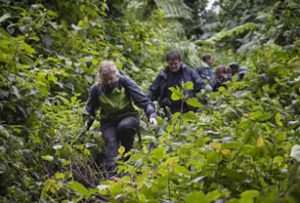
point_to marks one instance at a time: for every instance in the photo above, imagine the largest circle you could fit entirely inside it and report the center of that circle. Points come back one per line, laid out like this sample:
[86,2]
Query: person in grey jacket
[114,95]
[206,70]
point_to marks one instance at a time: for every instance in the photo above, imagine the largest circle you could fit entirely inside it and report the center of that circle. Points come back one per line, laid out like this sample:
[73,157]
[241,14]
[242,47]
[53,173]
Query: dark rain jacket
[207,74]
[158,89]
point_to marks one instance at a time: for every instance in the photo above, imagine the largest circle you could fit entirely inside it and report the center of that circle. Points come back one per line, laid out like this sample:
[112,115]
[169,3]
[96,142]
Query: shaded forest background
[243,146]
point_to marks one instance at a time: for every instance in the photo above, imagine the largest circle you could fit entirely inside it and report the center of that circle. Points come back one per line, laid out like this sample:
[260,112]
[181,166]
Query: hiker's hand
[89,124]
[153,122]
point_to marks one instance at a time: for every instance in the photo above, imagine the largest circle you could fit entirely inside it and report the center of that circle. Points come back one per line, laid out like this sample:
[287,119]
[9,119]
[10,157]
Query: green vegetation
[243,146]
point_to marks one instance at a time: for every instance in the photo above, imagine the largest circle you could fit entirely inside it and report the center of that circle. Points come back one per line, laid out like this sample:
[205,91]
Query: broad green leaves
[177,94]
[79,188]
[194,102]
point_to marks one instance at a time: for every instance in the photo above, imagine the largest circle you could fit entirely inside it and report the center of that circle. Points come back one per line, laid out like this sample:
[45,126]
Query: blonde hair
[107,67]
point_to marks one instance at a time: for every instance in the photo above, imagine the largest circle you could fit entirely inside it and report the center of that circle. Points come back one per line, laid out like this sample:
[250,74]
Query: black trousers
[116,133]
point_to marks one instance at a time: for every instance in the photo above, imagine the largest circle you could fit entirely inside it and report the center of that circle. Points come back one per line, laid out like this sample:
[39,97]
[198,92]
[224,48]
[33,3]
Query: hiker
[114,95]
[235,69]
[206,70]
[174,75]
[222,76]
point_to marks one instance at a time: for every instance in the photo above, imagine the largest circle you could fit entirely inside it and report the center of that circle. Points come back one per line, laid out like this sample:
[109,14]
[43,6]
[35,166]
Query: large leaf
[77,187]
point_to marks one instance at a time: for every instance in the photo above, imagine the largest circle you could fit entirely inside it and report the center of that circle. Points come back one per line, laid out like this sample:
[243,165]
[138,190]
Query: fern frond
[229,33]
[175,8]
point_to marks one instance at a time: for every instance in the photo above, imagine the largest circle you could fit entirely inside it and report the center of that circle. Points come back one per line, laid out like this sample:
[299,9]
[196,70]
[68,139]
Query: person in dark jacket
[114,95]
[175,73]
[235,69]
[223,76]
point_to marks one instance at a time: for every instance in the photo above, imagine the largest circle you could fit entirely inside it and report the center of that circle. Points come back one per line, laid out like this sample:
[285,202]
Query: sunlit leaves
[216,145]
[194,102]
[260,142]
[48,158]
[177,94]
[188,85]
[278,118]
[121,150]
[194,197]
[50,186]
[249,195]
[158,153]
[79,188]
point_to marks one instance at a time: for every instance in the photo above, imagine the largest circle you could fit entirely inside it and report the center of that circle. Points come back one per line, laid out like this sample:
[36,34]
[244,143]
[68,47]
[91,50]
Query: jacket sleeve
[139,97]
[198,83]
[154,90]
[93,102]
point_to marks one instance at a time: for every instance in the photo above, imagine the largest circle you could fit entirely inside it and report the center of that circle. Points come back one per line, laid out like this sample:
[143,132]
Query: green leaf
[28,48]
[52,78]
[79,188]
[180,169]
[213,157]
[194,102]
[121,150]
[189,116]
[136,157]
[177,94]
[158,153]
[59,175]
[249,195]
[261,116]
[214,195]
[196,197]
[52,13]
[26,60]
[188,85]
[48,158]
[278,160]
[116,189]
[278,118]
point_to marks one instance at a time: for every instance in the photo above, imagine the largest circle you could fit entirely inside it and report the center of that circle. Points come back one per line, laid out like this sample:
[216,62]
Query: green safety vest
[116,105]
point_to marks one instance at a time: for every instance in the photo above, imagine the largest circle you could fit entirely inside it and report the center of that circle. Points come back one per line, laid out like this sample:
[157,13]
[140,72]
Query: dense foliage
[242,146]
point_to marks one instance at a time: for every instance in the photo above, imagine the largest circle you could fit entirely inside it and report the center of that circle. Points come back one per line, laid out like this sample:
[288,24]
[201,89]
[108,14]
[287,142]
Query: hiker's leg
[126,129]
[111,147]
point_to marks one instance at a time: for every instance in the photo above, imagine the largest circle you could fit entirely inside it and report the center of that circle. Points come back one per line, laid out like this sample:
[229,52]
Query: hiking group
[117,97]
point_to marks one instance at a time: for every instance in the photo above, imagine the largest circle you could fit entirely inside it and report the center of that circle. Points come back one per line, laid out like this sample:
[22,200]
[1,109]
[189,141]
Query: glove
[89,122]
